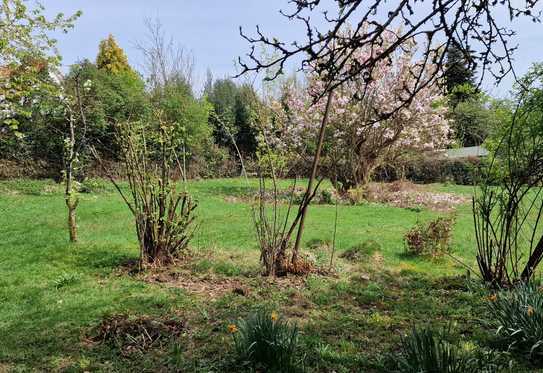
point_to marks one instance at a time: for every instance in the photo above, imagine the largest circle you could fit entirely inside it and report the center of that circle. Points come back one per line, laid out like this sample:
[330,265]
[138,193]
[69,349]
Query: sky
[209,29]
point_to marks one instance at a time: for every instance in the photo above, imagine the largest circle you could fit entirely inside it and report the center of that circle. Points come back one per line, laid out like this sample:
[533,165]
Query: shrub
[517,317]
[432,169]
[163,212]
[431,351]
[266,341]
[430,239]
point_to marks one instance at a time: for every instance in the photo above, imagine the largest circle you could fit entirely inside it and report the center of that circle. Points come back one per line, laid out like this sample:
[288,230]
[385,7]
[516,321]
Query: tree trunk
[309,189]
[70,193]
[72,223]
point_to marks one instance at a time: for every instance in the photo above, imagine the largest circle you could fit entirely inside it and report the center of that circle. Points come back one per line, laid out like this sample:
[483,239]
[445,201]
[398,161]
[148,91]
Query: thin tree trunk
[309,189]
[72,224]
[70,197]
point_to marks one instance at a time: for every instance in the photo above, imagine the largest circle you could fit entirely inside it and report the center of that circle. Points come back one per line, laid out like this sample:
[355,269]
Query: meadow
[55,295]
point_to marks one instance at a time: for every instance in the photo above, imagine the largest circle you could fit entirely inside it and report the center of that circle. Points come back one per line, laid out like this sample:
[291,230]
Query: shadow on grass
[99,257]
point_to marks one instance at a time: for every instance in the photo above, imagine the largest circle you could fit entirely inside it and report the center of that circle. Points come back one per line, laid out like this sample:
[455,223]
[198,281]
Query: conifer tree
[459,75]
[111,57]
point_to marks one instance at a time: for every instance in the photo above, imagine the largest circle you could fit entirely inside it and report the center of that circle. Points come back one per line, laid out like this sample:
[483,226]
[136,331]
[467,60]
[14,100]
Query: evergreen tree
[459,75]
[111,57]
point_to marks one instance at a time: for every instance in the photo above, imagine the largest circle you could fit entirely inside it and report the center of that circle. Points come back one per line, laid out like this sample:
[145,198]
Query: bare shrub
[163,212]
[508,206]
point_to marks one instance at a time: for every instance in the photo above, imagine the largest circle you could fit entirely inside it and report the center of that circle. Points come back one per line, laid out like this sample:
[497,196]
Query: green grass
[45,326]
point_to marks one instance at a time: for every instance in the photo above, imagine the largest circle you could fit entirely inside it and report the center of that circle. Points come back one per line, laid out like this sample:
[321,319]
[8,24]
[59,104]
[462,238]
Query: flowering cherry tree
[359,136]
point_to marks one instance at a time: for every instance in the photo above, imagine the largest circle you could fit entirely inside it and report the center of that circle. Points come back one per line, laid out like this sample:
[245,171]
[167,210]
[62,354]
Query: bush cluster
[426,169]
[432,238]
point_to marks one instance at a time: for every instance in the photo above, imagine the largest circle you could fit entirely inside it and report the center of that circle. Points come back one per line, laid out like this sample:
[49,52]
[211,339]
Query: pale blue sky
[210,29]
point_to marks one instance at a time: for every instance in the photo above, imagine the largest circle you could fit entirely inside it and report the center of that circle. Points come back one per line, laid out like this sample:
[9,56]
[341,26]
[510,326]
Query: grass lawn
[53,294]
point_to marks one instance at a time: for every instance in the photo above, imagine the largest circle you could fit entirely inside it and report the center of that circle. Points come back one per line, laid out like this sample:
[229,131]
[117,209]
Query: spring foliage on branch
[360,137]
[27,57]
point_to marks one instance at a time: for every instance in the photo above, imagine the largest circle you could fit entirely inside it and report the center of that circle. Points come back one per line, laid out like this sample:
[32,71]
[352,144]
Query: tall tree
[459,75]
[111,57]
[458,68]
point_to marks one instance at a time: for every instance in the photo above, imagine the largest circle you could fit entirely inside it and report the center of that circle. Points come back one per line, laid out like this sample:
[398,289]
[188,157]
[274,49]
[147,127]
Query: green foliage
[432,238]
[94,185]
[473,118]
[517,318]
[27,57]
[112,98]
[509,204]
[431,351]
[163,211]
[266,341]
[235,113]
[472,113]
[459,72]
[188,115]
[521,123]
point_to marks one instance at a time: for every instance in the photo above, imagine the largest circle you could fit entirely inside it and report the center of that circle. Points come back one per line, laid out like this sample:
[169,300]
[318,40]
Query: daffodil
[530,311]
[232,328]
[274,316]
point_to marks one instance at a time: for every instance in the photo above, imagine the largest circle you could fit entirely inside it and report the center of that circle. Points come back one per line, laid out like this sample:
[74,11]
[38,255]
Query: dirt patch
[136,335]
[405,194]
[208,286]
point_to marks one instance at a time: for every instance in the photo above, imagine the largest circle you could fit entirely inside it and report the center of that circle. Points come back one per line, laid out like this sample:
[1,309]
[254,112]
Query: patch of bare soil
[132,335]
[210,286]
[213,286]
[406,194]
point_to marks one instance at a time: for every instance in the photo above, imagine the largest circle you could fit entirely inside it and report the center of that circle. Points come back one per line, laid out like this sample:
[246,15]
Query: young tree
[72,102]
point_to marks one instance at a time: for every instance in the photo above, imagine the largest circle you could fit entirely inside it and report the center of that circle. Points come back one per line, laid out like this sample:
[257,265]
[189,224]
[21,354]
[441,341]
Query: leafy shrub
[266,341]
[432,238]
[429,351]
[517,317]
[327,197]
